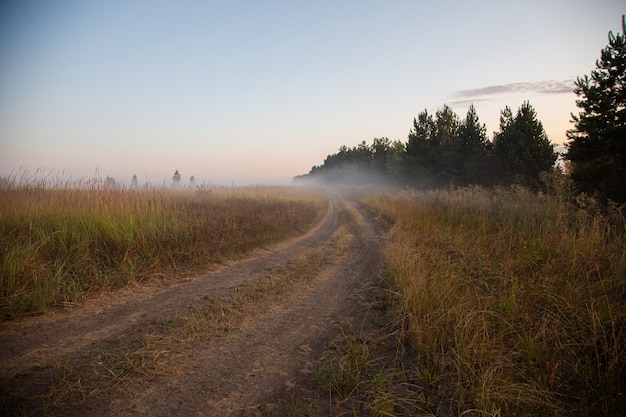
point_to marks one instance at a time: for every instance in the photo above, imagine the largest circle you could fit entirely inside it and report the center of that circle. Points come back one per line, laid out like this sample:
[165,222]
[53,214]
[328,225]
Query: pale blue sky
[257,92]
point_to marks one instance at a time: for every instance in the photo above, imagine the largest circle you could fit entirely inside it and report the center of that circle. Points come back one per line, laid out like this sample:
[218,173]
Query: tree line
[443,149]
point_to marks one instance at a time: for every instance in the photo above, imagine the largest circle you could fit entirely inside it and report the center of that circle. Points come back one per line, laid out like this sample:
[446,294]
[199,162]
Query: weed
[514,302]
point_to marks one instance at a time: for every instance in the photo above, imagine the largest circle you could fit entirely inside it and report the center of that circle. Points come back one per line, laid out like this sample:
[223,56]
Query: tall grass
[515,303]
[63,242]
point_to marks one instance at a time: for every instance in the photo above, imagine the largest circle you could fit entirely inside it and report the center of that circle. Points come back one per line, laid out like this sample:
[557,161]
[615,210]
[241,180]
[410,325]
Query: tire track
[34,340]
[248,369]
[252,370]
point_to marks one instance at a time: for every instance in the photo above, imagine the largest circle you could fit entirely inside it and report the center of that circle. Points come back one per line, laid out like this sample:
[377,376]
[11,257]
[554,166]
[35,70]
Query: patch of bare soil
[243,340]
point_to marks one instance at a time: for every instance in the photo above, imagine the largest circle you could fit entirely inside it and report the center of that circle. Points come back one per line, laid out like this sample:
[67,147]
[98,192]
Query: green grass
[513,302]
[62,243]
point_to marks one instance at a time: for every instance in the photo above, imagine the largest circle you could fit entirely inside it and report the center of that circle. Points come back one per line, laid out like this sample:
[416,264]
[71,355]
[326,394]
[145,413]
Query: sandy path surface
[242,340]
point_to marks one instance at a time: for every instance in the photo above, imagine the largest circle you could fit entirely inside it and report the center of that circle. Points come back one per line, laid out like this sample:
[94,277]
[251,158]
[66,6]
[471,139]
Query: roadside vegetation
[510,291]
[63,242]
[510,303]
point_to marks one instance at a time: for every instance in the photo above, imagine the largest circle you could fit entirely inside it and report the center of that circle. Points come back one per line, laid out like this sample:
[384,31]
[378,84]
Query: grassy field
[63,242]
[510,303]
[514,303]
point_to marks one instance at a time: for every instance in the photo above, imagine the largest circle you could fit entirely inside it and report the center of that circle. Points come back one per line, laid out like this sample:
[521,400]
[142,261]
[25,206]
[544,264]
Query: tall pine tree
[421,148]
[597,147]
[471,151]
[522,147]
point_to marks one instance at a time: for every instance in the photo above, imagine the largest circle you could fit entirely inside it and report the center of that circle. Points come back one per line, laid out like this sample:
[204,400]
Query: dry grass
[62,242]
[163,348]
[513,302]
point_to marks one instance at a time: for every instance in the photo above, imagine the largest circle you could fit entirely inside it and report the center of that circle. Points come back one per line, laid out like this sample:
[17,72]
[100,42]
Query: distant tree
[429,151]
[109,182]
[395,155]
[362,153]
[380,150]
[176,178]
[471,153]
[420,151]
[446,166]
[192,181]
[344,154]
[134,182]
[522,147]
[447,123]
[379,162]
[597,147]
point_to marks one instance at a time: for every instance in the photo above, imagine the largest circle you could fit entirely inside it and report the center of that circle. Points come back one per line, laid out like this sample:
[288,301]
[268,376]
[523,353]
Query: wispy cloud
[487,93]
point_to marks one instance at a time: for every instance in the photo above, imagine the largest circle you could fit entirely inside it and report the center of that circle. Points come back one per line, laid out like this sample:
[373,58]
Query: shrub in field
[62,243]
[513,301]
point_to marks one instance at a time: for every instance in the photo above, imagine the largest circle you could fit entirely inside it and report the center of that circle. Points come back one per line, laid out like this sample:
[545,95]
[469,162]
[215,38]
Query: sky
[256,92]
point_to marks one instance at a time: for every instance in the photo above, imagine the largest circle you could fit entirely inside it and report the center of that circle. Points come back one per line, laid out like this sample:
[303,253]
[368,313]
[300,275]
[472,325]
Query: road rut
[254,354]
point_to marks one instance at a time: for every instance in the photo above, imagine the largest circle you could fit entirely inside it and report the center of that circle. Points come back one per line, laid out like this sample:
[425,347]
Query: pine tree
[471,150]
[430,150]
[597,147]
[522,147]
[421,149]
[176,178]
[380,150]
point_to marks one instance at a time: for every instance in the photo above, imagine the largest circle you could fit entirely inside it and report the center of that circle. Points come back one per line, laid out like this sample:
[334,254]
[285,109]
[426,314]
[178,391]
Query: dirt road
[243,340]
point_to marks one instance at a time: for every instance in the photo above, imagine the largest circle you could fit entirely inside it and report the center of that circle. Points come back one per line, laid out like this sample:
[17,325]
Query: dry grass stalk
[513,301]
[63,243]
